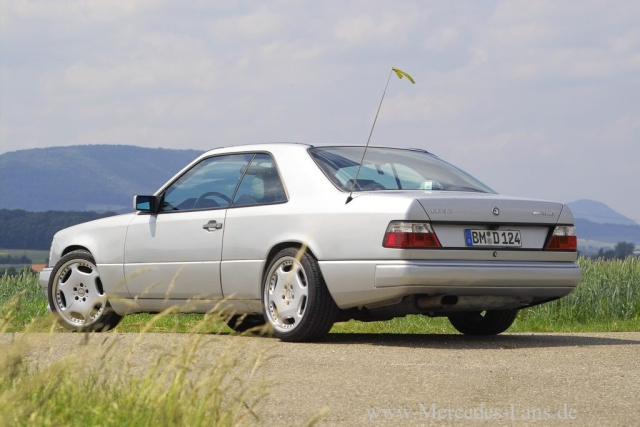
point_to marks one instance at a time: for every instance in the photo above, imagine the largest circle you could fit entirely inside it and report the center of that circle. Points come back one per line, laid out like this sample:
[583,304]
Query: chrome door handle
[212,225]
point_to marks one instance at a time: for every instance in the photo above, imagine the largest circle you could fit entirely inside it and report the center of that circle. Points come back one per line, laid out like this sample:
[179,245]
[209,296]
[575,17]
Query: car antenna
[400,74]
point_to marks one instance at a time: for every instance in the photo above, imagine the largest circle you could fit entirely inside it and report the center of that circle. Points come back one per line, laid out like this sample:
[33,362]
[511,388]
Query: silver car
[281,234]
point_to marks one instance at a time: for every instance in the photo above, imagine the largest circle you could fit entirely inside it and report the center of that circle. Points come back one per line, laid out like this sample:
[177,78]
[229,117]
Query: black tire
[76,295]
[242,323]
[491,322]
[296,302]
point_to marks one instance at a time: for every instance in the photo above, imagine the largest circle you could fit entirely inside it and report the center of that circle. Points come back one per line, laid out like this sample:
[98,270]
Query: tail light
[563,239]
[410,235]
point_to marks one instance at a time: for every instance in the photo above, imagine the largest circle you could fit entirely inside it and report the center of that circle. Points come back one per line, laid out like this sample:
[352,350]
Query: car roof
[260,146]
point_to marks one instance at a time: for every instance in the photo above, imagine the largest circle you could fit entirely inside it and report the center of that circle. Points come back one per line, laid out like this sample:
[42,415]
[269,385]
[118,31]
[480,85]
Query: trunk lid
[490,221]
[482,208]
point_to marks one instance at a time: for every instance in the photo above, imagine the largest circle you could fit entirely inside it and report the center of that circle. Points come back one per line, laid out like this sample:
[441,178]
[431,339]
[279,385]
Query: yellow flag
[401,73]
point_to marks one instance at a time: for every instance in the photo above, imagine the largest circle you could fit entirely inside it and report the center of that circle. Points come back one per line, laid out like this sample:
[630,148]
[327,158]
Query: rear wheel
[77,297]
[490,322]
[296,302]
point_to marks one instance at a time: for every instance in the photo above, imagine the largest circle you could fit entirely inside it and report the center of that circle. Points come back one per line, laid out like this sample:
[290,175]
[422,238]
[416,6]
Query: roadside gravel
[381,379]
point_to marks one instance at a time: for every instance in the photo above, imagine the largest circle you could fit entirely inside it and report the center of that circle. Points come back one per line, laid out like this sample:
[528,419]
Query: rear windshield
[392,169]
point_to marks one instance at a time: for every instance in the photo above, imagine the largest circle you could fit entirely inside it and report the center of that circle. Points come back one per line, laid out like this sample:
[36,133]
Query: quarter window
[260,184]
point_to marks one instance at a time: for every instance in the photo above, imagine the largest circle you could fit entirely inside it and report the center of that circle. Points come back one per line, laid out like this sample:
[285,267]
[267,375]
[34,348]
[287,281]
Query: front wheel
[77,297]
[490,322]
[296,302]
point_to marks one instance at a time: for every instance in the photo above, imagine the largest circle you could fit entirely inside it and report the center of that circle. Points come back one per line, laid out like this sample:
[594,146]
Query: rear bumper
[447,275]
[362,283]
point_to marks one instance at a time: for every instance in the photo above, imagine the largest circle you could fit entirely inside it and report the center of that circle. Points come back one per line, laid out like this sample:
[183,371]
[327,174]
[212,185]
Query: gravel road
[362,379]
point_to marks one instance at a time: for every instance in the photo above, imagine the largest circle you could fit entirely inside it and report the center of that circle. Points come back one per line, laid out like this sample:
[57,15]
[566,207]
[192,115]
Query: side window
[210,184]
[261,184]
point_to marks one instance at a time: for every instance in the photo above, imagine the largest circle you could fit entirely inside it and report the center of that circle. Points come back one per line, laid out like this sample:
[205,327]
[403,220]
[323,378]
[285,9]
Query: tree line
[20,229]
[620,251]
[10,259]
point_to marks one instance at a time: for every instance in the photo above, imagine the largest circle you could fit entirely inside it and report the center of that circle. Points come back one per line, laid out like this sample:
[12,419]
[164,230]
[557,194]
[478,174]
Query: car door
[175,253]
[254,224]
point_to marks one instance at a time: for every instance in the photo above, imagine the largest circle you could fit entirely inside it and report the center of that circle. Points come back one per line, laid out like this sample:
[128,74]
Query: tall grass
[607,299]
[96,383]
[22,301]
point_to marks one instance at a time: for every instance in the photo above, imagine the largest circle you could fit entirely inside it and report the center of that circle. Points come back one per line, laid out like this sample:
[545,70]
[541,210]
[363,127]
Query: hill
[598,226]
[607,233]
[85,177]
[104,178]
[598,212]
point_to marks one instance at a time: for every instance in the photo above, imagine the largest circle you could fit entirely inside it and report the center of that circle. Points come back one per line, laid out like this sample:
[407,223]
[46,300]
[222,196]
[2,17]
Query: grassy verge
[94,383]
[607,300]
[22,302]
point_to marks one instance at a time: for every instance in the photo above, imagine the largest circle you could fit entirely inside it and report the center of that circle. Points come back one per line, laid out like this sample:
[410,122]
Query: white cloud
[628,42]
[442,39]
[377,25]
[65,11]
[430,106]
[151,60]
[546,89]
[257,25]
[365,29]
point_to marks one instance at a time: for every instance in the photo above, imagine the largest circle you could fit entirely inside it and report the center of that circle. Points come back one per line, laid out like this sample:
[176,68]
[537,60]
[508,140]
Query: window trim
[161,192]
[311,149]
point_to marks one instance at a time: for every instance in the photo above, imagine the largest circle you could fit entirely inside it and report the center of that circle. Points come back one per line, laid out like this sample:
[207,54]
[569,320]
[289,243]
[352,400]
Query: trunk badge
[543,213]
[496,211]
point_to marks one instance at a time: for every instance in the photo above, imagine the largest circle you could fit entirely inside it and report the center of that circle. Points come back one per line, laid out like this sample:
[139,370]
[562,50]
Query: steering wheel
[213,194]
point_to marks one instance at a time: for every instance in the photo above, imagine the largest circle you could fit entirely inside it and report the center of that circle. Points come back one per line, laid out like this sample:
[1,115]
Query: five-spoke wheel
[76,295]
[296,302]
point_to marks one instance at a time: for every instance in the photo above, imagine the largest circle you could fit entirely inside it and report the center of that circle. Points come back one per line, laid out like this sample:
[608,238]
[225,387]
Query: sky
[535,98]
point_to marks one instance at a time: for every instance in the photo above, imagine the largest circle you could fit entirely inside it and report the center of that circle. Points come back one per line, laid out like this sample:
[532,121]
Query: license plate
[509,238]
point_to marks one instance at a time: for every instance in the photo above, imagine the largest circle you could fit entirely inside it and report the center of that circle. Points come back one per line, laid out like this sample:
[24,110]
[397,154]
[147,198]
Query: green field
[607,300]
[36,256]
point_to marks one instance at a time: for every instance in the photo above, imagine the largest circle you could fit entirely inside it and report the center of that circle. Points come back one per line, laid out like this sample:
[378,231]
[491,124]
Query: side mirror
[146,203]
